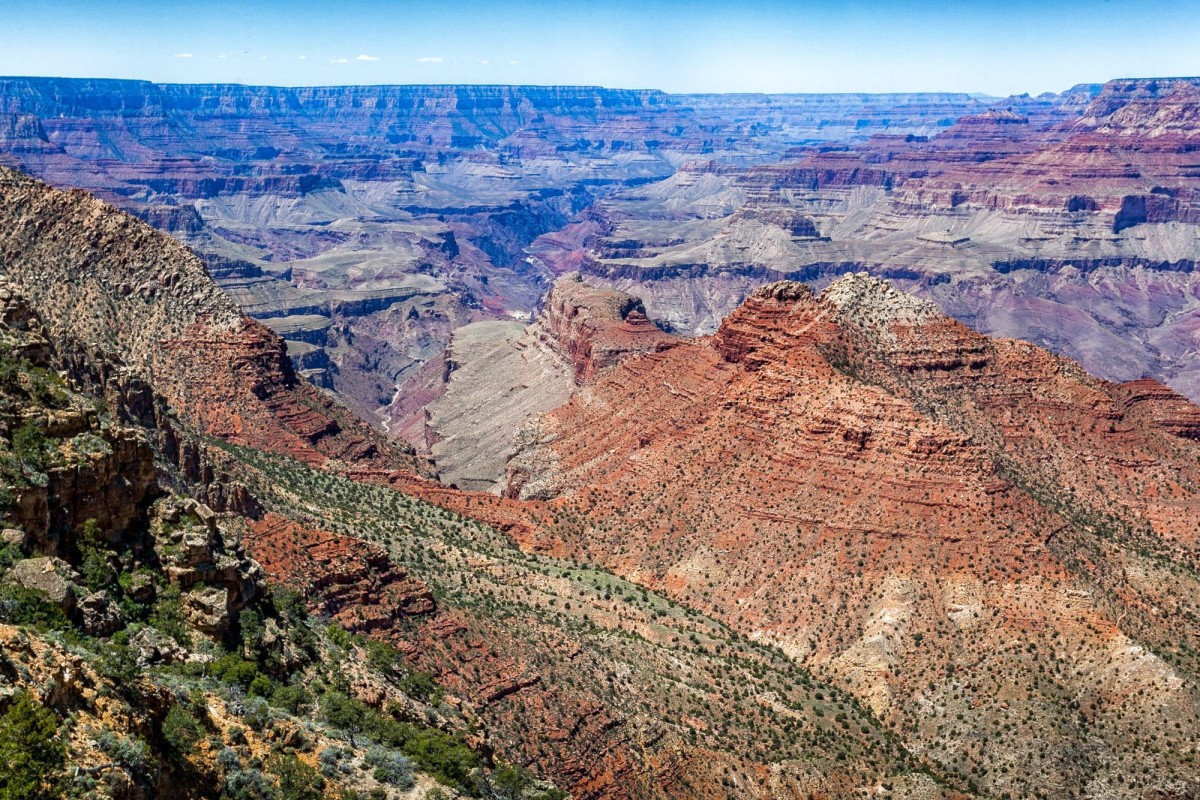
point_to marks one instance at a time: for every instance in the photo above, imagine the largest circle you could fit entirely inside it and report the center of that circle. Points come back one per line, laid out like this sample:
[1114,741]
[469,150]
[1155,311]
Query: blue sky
[678,45]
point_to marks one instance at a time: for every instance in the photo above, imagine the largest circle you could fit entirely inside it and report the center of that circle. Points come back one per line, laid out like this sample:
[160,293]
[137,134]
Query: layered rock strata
[944,524]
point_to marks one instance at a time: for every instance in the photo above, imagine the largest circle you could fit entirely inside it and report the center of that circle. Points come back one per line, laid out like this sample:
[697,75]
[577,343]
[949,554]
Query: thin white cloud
[367,58]
[262,58]
[514,62]
[430,60]
[339,61]
[184,55]
[302,58]
[222,56]
[485,61]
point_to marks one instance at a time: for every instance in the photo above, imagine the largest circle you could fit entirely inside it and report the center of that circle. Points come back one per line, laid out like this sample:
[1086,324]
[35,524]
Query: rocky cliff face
[66,462]
[931,519]
[593,329]
[148,317]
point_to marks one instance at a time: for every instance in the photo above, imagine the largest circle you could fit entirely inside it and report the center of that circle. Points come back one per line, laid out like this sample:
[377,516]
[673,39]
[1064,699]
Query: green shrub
[180,730]
[31,758]
[256,713]
[95,557]
[248,784]
[30,445]
[297,780]
[337,635]
[10,370]
[131,753]
[261,686]
[167,616]
[344,713]
[510,782]
[289,604]
[235,670]
[118,661]
[46,387]
[9,555]
[420,686]
[445,758]
[251,631]
[21,606]
[292,699]
[391,768]
[381,656]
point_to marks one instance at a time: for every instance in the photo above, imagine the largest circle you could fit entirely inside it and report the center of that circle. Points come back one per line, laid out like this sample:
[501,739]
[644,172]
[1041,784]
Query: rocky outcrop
[51,577]
[502,374]
[1149,400]
[593,329]
[195,552]
[73,465]
[341,577]
[956,499]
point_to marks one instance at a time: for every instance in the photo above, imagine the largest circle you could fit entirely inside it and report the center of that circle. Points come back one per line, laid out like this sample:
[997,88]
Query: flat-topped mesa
[594,328]
[1145,107]
[994,116]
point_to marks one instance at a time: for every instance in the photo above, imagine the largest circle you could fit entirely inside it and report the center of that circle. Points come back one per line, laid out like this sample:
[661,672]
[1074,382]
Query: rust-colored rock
[346,579]
[934,520]
[594,328]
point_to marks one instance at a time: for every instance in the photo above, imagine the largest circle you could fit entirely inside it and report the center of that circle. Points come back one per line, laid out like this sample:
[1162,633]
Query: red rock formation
[574,736]
[346,579]
[594,328]
[917,512]
[1134,135]
[1162,407]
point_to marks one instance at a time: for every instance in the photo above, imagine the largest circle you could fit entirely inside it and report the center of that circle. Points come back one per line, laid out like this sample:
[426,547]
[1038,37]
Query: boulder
[153,647]
[99,615]
[141,588]
[52,577]
[208,610]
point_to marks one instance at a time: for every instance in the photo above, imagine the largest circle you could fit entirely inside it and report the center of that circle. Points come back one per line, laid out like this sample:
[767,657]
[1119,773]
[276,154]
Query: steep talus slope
[991,549]
[615,691]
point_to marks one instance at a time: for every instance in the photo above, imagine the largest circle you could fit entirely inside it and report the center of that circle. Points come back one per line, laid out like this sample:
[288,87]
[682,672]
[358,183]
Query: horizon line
[973,94]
